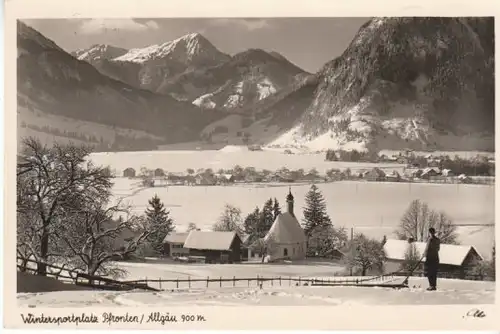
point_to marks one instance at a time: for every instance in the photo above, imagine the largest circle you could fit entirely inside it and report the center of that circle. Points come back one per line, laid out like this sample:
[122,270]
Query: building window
[285,252]
[293,251]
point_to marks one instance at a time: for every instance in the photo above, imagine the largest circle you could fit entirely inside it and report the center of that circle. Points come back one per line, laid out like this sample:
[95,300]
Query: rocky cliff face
[52,82]
[406,82]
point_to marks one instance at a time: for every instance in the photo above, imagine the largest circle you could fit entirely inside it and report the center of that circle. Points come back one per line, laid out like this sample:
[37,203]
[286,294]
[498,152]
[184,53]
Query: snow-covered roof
[176,238]
[212,240]
[286,230]
[448,254]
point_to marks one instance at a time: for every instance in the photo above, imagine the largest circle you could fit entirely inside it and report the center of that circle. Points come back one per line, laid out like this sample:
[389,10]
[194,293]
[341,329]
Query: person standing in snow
[431,264]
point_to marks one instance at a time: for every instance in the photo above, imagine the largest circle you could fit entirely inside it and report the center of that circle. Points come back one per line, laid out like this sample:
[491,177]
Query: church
[286,236]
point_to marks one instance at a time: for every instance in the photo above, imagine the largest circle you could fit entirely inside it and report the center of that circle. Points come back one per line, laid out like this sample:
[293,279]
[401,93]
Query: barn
[454,259]
[214,246]
[129,172]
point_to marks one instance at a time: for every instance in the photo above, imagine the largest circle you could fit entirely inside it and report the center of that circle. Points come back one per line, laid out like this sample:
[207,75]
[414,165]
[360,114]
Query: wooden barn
[454,259]
[215,247]
[129,172]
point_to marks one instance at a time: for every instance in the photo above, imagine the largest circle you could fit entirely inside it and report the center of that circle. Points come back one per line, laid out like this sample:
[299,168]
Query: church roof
[286,230]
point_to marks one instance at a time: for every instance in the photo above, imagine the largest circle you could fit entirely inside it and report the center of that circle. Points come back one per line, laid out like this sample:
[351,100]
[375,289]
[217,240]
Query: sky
[307,42]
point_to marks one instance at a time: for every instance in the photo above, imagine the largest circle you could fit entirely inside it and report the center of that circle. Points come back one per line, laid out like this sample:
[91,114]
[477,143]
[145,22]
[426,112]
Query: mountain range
[424,83]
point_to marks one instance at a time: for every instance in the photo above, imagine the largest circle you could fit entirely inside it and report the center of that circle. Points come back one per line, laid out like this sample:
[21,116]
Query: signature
[475,313]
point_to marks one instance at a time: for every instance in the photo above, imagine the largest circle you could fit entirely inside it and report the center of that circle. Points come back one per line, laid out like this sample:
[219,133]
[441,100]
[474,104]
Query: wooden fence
[80,278]
[273,281]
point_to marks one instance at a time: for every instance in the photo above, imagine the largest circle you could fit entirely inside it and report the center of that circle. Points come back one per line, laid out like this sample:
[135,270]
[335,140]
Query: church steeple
[289,201]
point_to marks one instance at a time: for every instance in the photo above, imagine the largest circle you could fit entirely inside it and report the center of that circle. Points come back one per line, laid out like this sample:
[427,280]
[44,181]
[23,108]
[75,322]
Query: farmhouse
[286,237]
[129,172]
[427,173]
[215,247]
[454,260]
[173,244]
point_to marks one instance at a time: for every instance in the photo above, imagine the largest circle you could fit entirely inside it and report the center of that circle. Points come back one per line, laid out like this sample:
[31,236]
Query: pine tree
[276,209]
[159,220]
[267,217]
[315,211]
[251,225]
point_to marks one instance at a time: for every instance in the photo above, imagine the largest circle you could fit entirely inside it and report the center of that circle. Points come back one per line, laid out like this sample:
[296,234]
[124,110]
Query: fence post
[248,282]
[299,280]
[159,280]
[272,281]
[177,283]
[220,281]
[234,281]
[289,280]
[208,278]
[189,282]
[280,280]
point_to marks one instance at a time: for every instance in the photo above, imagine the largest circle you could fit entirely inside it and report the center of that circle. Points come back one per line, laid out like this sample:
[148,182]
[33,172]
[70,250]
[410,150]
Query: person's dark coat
[431,264]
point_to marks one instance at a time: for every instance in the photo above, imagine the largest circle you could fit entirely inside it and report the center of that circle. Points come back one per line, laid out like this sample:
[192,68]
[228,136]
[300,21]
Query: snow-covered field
[244,294]
[371,208]
[228,157]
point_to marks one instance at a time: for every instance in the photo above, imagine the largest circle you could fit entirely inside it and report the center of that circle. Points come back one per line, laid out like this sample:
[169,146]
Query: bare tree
[417,220]
[365,254]
[191,227]
[46,179]
[412,258]
[229,220]
[99,235]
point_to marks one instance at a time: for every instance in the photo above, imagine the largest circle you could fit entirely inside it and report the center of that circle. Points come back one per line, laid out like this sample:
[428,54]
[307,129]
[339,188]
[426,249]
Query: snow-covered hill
[52,82]
[424,83]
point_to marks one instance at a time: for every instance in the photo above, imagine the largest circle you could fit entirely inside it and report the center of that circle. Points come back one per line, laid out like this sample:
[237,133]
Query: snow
[383,205]
[247,294]
[265,88]
[189,43]
[232,148]
[205,102]
[448,254]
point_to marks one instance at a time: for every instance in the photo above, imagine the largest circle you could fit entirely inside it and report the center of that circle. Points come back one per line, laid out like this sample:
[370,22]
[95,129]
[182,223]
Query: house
[464,178]
[129,172]
[225,178]
[393,176]
[214,246]
[173,244]
[447,173]
[286,236]
[159,172]
[376,174]
[454,259]
[159,182]
[429,172]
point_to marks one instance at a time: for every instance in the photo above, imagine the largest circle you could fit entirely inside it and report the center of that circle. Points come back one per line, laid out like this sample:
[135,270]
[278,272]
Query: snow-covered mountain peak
[185,49]
[98,52]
